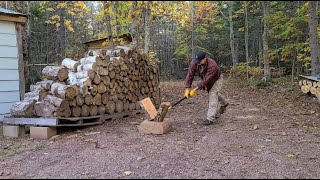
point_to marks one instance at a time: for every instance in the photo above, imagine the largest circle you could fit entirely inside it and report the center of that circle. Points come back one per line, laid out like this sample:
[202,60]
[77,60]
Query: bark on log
[23,108]
[89,60]
[37,94]
[84,82]
[55,73]
[63,91]
[81,74]
[72,78]
[46,84]
[64,109]
[53,100]
[96,79]
[44,109]
[70,64]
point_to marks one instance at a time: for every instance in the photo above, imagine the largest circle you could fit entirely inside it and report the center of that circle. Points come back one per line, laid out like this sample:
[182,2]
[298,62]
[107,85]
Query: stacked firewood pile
[111,82]
[309,86]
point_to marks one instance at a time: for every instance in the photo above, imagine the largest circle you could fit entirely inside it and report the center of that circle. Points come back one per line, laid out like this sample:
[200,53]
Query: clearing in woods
[269,133]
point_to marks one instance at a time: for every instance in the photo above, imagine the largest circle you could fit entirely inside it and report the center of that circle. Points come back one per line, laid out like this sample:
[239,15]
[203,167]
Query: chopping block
[156,123]
[155,127]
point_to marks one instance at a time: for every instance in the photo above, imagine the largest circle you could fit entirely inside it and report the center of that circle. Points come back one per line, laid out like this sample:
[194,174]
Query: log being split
[55,73]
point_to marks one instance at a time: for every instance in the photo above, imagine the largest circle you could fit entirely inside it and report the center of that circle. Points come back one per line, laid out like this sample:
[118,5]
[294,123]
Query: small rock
[127,173]
[283,133]
[1,173]
[139,158]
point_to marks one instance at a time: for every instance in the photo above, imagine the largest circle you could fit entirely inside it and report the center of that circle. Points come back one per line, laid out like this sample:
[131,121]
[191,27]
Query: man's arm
[210,74]
[190,75]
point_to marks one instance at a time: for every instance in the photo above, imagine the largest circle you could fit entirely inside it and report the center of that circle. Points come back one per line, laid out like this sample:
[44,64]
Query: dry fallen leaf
[291,155]
[72,136]
[127,173]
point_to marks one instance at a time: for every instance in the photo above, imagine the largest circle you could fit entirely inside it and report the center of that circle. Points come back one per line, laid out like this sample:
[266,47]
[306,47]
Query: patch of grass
[40,146]
[11,150]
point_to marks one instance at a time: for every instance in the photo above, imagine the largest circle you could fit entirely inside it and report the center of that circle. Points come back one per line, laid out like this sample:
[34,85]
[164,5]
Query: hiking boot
[223,108]
[206,122]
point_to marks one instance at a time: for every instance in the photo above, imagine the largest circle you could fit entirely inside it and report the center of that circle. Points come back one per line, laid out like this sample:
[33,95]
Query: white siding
[7,27]
[10,96]
[8,40]
[9,74]
[8,51]
[9,86]
[5,107]
[9,63]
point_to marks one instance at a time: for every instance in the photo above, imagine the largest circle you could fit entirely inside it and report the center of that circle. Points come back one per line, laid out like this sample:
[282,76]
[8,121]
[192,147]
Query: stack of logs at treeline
[94,85]
[310,86]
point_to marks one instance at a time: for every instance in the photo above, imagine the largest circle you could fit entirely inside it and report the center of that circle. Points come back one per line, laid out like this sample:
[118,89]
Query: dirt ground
[268,133]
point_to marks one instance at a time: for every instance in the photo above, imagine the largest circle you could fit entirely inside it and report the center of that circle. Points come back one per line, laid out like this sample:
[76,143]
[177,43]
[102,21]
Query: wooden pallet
[63,121]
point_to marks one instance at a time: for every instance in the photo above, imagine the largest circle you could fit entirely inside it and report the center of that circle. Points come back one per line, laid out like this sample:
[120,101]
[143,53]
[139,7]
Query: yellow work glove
[186,92]
[193,93]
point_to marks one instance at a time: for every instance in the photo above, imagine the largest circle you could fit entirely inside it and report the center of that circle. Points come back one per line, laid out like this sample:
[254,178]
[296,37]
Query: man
[212,79]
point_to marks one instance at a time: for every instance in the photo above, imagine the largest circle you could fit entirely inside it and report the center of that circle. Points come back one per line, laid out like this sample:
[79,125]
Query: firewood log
[55,73]
[44,109]
[23,108]
[63,91]
[85,110]
[70,64]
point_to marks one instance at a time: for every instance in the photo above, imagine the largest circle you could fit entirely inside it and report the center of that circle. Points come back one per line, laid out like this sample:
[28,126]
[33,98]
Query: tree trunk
[246,36]
[192,30]
[133,28]
[147,26]
[266,69]
[106,6]
[232,45]
[314,38]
